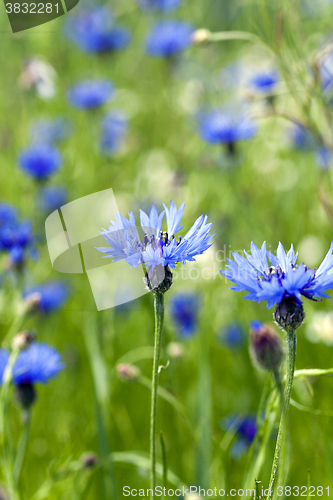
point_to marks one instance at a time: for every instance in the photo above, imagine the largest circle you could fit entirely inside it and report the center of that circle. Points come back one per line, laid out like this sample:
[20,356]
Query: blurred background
[238,129]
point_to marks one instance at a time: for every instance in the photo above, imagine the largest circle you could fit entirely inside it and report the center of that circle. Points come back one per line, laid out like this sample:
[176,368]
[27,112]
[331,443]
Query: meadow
[230,113]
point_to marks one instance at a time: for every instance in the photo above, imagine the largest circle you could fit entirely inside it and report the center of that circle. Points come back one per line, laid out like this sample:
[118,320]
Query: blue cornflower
[17,240]
[163,5]
[93,30]
[168,38]
[50,296]
[7,214]
[264,82]
[232,335]
[49,131]
[38,363]
[40,161]
[157,248]
[114,128]
[222,127]
[90,94]
[280,280]
[184,311]
[245,429]
[50,198]
[324,157]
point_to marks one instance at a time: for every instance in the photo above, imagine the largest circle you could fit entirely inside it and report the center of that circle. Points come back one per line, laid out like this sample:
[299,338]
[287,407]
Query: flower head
[264,82]
[39,75]
[50,198]
[283,278]
[168,38]
[17,239]
[221,127]
[51,296]
[114,128]
[90,94]
[232,335]
[40,161]
[245,429]
[163,5]
[184,311]
[38,363]
[266,346]
[156,249]
[93,30]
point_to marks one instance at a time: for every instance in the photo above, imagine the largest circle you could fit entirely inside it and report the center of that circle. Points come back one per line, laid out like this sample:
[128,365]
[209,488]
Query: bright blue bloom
[51,295]
[93,31]
[50,198]
[324,157]
[245,428]
[38,363]
[281,279]
[232,335]
[163,5]
[49,131]
[17,240]
[184,311]
[168,38]
[255,325]
[114,128]
[157,247]
[222,127]
[40,161]
[90,94]
[264,82]
[7,214]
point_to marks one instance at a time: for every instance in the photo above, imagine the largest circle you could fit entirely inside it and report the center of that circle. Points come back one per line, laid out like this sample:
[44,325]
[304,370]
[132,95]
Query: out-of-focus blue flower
[245,429]
[114,128]
[300,137]
[90,94]
[40,161]
[232,335]
[168,38]
[184,311]
[93,30]
[7,214]
[38,363]
[324,157]
[281,279]
[222,127]
[163,5]
[158,247]
[17,240]
[264,82]
[51,296]
[50,198]
[49,131]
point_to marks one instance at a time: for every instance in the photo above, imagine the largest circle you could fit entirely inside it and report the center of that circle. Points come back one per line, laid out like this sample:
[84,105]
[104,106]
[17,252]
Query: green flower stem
[159,317]
[291,355]
[19,458]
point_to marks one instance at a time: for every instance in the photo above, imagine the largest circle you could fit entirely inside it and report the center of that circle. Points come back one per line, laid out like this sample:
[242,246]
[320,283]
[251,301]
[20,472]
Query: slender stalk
[159,317]
[291,355]
[19,458]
